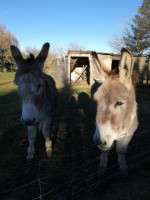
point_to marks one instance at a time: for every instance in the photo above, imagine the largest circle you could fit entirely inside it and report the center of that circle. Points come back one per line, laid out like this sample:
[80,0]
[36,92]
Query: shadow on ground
[72,172]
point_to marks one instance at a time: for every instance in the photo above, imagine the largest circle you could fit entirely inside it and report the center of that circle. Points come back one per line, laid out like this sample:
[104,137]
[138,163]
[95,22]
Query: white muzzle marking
[29,114]
[104,136]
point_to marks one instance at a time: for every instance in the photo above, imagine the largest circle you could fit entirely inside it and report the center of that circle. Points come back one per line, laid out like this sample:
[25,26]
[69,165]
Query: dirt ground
[73,170]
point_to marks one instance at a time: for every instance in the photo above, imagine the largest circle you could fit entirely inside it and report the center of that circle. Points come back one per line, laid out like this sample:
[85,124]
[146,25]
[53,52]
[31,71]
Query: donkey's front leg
[104,158]
[31,139]
[46,133]
[122,145]
[103,161]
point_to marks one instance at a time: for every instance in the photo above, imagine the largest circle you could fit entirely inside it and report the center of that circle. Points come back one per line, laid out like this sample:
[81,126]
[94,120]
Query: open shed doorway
[115,65]
[80,71]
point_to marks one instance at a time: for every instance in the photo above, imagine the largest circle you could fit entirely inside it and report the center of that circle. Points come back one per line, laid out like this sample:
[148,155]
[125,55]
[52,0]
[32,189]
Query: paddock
[73,170]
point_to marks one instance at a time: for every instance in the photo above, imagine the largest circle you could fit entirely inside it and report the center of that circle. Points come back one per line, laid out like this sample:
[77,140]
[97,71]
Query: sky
[89,23]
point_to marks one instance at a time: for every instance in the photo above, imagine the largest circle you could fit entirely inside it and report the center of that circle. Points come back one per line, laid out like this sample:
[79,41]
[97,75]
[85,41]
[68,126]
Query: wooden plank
[84,68]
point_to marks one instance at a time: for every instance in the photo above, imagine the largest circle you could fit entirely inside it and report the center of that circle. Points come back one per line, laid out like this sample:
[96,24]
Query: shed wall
[62,72]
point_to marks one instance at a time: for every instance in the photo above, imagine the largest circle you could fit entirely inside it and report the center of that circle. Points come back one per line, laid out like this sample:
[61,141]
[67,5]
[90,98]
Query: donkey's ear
[43,53]
[101,67]
[126,65]
[16,54]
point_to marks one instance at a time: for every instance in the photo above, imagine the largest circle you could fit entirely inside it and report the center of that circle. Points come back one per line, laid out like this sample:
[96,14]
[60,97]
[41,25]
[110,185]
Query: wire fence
[78,180]
[73,172]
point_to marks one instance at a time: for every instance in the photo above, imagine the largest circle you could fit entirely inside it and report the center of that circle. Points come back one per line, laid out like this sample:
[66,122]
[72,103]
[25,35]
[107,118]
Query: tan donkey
[38,95]
[116,111]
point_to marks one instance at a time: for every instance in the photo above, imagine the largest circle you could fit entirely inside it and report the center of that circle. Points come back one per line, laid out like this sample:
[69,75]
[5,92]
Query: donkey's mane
[115,73]
[29,68]
[30,58]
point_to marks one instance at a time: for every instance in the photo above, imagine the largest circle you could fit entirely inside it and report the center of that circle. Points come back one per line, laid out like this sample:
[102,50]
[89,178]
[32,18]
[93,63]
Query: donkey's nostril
[28,122]
[103,143]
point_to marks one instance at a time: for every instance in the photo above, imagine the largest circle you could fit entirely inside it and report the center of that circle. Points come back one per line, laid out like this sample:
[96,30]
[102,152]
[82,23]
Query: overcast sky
[90,23]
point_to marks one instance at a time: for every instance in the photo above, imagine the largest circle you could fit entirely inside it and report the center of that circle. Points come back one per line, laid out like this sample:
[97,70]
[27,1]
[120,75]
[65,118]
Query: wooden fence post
[148,70]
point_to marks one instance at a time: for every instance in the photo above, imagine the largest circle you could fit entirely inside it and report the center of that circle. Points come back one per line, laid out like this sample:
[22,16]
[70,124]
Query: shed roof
[93,52]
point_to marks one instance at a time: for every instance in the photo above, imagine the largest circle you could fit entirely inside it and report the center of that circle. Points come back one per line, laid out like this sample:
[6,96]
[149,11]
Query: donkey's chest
[45,111]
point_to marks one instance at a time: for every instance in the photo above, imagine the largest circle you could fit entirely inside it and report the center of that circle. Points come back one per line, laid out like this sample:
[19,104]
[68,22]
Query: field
[73,170]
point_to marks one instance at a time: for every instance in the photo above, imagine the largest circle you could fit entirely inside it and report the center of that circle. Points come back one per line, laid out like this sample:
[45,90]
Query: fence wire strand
[80,175]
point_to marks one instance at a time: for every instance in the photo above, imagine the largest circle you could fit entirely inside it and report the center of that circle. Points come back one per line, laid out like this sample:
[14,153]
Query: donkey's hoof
[49,153]
[29,157]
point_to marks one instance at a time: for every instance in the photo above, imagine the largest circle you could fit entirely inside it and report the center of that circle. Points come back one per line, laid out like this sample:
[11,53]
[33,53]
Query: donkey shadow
[74,141]
[84,103]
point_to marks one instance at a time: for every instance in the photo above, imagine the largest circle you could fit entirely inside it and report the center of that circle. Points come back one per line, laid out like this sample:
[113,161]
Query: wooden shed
[82,67]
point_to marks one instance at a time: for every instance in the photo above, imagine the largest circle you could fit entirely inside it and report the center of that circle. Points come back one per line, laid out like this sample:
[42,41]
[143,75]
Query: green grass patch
[6,83]
[6,77]
[9,118]
[9,102]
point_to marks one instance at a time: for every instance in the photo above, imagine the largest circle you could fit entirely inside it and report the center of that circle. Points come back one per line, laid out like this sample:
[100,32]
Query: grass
[8,99]
[9,119]
[6,83]
[73,169]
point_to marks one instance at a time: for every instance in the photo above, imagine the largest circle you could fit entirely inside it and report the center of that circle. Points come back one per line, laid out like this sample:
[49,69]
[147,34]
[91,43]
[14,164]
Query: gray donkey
[38,95]
[116,110]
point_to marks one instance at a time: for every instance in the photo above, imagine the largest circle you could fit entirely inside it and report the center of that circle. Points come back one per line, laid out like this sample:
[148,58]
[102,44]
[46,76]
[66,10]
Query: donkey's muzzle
[102,144]
[97,140]
[28,122]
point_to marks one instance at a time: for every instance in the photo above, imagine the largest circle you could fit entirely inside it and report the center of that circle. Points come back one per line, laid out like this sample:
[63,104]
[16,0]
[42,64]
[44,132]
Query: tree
[60,52]
[137,36]
[75,46]
[6,39]
[117,43]
[48,67]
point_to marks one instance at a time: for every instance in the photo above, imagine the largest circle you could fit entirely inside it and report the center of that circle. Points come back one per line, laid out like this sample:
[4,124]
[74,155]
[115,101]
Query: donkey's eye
[119,103]
[38,87]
